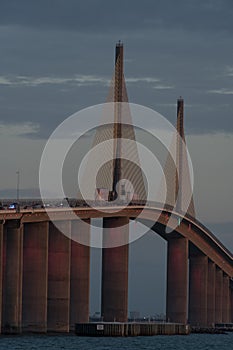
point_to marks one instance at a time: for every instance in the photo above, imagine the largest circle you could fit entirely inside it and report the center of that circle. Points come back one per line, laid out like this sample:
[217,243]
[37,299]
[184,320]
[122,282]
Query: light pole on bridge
[17,191]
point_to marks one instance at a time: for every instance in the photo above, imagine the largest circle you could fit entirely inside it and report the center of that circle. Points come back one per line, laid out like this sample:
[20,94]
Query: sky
[57,57]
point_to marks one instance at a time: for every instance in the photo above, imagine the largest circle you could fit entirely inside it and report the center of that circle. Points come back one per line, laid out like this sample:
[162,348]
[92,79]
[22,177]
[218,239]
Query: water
[51,342]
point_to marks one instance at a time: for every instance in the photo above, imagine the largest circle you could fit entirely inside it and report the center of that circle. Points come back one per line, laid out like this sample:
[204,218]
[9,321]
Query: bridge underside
[44,279]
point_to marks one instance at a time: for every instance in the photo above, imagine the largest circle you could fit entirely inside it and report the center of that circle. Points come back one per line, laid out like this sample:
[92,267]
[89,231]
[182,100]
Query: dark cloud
[186,45]
[102,15]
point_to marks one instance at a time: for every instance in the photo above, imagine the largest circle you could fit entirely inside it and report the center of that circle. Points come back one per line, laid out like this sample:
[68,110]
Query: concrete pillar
[198,277]
[12,278]
[218,295]
[35,276]
[211,294]
[79,273]
[231,297]
[226,299]
[1,270]
[177,280]
[59,278]
[114,302]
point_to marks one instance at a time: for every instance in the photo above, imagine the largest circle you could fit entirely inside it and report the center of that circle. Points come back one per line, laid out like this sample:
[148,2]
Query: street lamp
[17,191]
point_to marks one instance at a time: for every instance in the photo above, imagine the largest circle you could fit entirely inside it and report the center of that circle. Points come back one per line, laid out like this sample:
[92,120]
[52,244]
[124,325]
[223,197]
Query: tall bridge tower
[115,260]
[183,181]
[177,169]
[117,128]
[114,303]
[117,174]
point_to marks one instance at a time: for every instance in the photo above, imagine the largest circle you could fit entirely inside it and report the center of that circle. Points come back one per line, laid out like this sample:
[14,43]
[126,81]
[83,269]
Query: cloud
[19,129]
[163,87]
[230,71]
[221,91]
[5,81]
[142,79]
[79,80]
[103,15]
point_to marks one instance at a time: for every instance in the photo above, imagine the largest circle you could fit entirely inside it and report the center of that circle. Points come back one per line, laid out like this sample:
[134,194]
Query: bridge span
[45,274]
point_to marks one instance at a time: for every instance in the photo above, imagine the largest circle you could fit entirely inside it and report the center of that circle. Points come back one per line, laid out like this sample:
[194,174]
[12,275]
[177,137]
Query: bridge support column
[198,275]
[35,276]
[231,296]
[115,269]
[218,295]
[80,273]
[1,270]
[226,299]
[59,277]
[211,294]
[12,278]
[177,279]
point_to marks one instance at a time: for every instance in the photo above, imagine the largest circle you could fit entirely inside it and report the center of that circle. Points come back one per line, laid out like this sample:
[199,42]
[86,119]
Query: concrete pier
[1,270]
[226,299]
[59,278]
[79,273]
[211,294]
[231,301]
[198,272]
[35,276]
[177,279]
[115,270]
[218,295]
[12,278]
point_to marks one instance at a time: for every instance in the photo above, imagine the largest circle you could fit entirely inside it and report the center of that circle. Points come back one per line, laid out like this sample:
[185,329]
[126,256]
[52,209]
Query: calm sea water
[192,342]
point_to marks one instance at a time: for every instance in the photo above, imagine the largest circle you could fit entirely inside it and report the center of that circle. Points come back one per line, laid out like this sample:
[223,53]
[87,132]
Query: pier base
[127,329]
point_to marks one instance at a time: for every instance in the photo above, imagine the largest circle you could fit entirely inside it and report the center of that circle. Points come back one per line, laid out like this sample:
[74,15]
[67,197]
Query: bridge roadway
[199,269]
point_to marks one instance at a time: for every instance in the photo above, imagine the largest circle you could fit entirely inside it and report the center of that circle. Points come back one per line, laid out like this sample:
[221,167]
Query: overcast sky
[57,57]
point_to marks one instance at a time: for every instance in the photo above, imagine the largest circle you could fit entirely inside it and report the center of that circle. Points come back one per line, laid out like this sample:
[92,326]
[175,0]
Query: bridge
[45,275]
